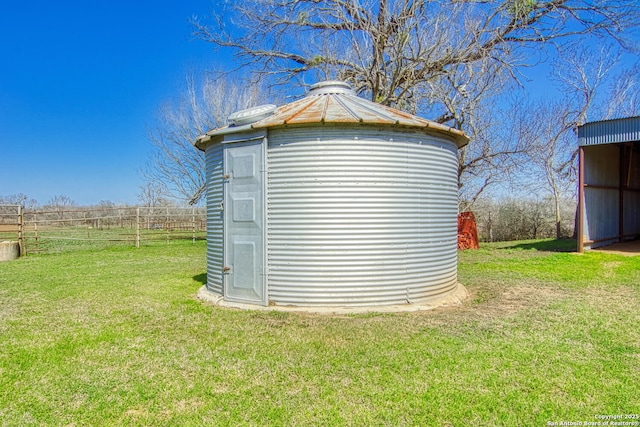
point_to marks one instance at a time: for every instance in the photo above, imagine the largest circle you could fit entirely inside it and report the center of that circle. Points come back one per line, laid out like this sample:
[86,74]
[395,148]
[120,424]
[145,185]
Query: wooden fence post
[193,225]
[137,227]
[35,229]
[84,220]
[167,224]
[22,247]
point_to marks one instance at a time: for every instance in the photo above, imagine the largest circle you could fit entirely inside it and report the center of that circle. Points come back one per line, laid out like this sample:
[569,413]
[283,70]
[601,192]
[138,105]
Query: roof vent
[251,115]
[331,86]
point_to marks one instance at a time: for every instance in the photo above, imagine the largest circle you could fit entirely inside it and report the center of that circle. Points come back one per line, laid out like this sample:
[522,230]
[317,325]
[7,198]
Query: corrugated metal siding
[631,209]
[601,168]
[609,131]
[602,194]
[601,214]
[602,165]
[360,216]
[213,157]
[632,198]
[633,175]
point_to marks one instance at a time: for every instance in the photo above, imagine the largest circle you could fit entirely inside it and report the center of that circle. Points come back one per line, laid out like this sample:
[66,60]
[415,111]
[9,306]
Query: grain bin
[331,200]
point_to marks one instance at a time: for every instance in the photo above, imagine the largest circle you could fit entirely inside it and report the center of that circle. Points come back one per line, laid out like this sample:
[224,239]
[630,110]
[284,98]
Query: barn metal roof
[333,102]
[609,131]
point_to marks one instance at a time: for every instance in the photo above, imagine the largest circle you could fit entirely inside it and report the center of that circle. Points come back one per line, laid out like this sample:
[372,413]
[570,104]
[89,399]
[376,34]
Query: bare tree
[624,97]
[442,59]
[499,149]
[151,195]
[553,156]
[553,123]
[470,98]
[393,50]
[176,170]
[19,199]
[59,204]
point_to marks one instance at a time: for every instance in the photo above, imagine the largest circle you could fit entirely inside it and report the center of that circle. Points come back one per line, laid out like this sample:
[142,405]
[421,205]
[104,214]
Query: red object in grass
[467,231]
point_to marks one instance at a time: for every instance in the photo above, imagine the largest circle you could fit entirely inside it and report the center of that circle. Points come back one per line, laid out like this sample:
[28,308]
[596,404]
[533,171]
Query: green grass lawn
[117,337]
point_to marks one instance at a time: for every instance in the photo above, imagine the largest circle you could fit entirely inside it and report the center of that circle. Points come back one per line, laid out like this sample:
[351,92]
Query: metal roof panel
[609,131]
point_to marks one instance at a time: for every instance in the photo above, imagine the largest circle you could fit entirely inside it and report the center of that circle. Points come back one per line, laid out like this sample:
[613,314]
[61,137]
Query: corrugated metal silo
[331,200]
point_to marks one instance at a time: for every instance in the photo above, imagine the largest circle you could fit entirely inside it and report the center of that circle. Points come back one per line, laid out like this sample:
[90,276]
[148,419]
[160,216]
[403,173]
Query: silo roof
[335,102]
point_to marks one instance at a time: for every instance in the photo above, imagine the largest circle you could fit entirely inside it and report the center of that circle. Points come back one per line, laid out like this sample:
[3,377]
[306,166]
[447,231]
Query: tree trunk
[558,218]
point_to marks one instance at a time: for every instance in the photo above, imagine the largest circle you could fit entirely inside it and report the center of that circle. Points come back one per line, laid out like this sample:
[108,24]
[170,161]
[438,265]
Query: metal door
[244,252]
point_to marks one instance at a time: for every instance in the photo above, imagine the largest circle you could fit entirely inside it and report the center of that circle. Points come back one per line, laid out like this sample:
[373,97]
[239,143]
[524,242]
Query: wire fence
[58,230]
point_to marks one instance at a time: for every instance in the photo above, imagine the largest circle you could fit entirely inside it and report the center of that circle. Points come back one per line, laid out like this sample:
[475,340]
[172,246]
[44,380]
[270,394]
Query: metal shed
[331,200]
[609,182]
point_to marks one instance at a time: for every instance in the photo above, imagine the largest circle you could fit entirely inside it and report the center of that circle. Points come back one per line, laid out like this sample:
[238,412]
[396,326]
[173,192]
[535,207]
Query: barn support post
[580,230]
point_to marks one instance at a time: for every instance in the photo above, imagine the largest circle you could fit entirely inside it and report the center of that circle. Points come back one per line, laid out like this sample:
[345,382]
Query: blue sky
[80,84]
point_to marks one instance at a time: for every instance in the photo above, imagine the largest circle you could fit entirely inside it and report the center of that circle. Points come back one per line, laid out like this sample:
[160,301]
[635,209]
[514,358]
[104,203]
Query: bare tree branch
[176,170]
[580,73]
[445,59]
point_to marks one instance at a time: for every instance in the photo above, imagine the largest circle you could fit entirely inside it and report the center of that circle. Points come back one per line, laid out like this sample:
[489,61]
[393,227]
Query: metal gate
[244,252]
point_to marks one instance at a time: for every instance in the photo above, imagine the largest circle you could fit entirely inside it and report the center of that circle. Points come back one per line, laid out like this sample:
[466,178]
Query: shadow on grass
[202,278]
[555,245]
